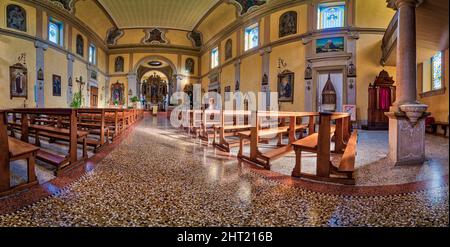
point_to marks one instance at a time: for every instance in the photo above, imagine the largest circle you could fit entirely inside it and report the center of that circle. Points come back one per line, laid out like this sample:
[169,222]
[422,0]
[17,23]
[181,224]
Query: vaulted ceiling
[176,14]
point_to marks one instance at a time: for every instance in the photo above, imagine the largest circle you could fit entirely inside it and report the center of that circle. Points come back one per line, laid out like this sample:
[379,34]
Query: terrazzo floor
[159,177]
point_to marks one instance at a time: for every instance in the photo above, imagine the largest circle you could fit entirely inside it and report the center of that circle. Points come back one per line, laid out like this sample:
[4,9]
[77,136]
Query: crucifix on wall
[82,83]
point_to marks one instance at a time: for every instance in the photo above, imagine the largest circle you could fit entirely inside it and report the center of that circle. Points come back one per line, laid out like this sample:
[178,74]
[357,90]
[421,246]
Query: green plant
[77,100]
[134,99]
[116,102]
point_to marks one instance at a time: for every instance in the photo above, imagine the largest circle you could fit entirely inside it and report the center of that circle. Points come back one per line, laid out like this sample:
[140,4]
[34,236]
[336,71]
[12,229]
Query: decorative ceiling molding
[196,38]
[246,6]
[155,36]
[67,5]
[113,35]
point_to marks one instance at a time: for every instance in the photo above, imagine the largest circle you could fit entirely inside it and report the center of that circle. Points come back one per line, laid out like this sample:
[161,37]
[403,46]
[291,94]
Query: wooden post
[102,128]
[4,154]
[73,140]
[339,136]
[116,123]
[24,122]
[292,123]
[312,125]
[254,139]
[323,145]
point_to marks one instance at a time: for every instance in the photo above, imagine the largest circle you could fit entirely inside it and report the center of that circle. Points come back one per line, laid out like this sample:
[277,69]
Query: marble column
[40,69]
[407,116]
[265,53]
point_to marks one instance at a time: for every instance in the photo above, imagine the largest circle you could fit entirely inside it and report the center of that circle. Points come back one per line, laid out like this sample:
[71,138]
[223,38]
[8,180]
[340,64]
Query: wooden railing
[389,41]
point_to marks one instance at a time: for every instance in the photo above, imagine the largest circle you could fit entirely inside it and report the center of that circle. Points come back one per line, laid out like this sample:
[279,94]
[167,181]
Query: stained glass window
[55,32]
[251,37]
[331,15]
[215,57]
[436,71]
[92,54]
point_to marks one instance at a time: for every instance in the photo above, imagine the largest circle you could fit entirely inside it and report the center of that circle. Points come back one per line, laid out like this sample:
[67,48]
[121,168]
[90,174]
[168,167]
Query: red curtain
[384,98]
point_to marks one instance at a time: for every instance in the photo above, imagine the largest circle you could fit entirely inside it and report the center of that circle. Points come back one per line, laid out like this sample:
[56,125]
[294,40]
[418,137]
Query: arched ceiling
[175,14]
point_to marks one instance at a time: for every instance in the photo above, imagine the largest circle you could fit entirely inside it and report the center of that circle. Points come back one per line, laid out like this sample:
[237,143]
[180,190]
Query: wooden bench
[320,143]
[12,149]
[258,132]
[232,122]
[443,125]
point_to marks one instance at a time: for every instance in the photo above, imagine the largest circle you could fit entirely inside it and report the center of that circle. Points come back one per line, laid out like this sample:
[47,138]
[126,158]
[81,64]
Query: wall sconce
[308,85]
[351,83]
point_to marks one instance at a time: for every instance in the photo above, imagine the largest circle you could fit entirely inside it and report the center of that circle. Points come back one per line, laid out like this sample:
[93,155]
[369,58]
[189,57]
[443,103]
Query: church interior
[224,113]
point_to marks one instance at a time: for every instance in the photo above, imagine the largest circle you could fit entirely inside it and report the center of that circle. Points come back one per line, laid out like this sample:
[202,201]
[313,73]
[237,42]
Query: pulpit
[381,98]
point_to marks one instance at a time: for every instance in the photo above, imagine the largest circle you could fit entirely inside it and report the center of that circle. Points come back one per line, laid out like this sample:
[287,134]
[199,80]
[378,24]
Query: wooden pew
[320,143]
[95,126]
[257,133]
[206,132]
[70,135]
[230,125]
[10,150]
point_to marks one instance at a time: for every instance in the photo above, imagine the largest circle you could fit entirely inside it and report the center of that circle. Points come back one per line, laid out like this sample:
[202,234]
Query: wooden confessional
[381,98]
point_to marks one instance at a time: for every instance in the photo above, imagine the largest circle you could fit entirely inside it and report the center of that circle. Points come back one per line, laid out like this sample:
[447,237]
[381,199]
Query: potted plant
[134,100]
[76,101]
[116,103]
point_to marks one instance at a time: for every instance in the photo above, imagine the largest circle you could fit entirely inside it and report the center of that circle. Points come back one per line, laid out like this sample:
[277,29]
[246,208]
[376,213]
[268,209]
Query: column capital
[70,57]
[40,44]
[396,4]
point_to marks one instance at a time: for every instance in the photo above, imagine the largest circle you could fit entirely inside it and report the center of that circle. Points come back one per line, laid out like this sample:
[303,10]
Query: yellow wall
[55,64]
[216,21]
[31,16]
[439,105]
[10,50]
[368,67]
[93,16]
[373,14]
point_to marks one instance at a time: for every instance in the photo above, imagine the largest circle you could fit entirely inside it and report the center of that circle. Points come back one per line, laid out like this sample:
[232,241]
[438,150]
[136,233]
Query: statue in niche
[196,38]
[119,64]
[189,65]
[288,24]
[246,5]
[18,81]
[155,36]
[16,17]
[80,45]
[228,49]
[237,86]
[113,35]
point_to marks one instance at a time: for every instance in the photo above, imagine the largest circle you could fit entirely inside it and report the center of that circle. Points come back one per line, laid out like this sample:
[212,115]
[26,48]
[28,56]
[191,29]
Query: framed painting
[18,81]
[326,45]
[351,109]
[286,87]
[56,85]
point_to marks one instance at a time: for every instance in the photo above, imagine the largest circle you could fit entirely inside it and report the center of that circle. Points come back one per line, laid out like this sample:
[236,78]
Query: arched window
[119,64]
[16,17]
[331,15]
[288,24]
[80,45]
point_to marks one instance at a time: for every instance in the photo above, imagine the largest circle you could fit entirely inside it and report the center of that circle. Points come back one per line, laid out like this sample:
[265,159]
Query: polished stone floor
[159,177]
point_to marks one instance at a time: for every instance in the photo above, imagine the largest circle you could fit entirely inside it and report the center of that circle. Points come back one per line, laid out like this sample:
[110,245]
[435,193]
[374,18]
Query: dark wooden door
[94,97]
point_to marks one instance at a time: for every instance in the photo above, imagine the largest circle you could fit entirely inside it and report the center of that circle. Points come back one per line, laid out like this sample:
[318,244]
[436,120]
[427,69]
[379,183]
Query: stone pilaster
[40,70]
[265,54]
[132,85]
[70,78]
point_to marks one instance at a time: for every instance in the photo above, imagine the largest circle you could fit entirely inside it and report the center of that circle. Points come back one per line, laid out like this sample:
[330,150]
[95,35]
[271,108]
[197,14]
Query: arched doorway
[157,76]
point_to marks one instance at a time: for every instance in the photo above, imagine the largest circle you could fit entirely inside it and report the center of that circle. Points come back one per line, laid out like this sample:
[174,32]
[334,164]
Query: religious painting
[80,45]
[113,35]
[227,93]
[16,17]
[56,85]
[155,36]
[351,109]
[247,5]
[286,86]
[119,64]
[117,93]
[326,45]
[228,49]
[196,38]
[18,81]
[288,24]
[189,66]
